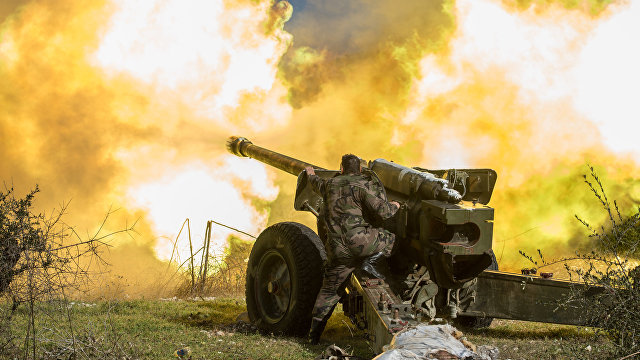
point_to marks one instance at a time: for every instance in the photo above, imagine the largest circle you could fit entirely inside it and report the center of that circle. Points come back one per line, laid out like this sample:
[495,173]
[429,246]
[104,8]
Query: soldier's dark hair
[350,164]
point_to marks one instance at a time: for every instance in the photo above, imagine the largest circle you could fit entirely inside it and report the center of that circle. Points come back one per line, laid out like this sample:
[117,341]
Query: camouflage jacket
[346,198]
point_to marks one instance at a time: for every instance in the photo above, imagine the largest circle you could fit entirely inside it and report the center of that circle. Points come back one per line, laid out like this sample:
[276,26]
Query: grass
[531,340]
[155,329]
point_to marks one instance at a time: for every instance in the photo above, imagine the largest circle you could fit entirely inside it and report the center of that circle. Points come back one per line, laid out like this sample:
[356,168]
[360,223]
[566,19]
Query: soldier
[350,239]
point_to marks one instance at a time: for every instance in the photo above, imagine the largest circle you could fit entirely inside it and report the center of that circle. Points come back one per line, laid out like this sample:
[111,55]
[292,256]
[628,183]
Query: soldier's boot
[377,266]
[317,327]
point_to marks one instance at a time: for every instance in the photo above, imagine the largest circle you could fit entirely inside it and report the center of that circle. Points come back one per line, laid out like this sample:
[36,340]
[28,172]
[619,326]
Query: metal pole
[207,240]
[193,280]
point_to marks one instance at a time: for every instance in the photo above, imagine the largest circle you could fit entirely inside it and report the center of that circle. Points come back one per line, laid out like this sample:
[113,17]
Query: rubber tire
[494,262]
[304,255]
[473,322]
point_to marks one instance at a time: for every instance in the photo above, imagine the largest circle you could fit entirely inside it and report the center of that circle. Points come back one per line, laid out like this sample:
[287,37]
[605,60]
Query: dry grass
[531,340]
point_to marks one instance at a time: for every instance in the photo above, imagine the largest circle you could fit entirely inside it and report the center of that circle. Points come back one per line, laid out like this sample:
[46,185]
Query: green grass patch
[210,315]
[154,329]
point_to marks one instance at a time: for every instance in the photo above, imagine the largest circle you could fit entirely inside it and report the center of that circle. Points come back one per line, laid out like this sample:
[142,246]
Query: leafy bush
[21,234]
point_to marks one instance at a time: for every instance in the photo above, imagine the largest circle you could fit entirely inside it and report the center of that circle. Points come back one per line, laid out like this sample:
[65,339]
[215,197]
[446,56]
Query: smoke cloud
[99,110]
[117,104]
[497,85]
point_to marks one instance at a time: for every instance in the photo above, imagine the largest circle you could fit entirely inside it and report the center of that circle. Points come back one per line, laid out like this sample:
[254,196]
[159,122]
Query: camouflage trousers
[342,259]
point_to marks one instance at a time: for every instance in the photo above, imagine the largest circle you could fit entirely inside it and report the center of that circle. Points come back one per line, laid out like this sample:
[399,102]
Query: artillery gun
[443,264]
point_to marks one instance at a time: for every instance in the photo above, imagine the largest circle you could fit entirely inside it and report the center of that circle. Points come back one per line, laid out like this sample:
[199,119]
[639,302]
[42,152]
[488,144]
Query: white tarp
[432,341]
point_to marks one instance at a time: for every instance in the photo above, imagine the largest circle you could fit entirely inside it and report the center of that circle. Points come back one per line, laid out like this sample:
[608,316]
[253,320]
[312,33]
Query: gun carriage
[443,264]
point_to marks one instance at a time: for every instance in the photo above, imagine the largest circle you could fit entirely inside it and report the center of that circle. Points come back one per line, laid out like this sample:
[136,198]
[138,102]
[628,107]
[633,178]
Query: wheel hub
[273,287]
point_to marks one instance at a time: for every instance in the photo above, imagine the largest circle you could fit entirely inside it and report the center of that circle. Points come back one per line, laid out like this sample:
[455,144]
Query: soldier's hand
[310,170]
[395,203]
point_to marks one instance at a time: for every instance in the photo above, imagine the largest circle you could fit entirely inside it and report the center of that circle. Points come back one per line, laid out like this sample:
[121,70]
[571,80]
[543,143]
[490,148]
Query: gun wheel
[284,275]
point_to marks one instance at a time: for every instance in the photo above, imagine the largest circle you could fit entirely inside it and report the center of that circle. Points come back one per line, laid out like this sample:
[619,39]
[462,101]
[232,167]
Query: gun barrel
[242,147]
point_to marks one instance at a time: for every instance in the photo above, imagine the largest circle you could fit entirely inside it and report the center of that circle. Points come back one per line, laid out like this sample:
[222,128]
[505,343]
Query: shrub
[612,269]
[608,290]
[41,259]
